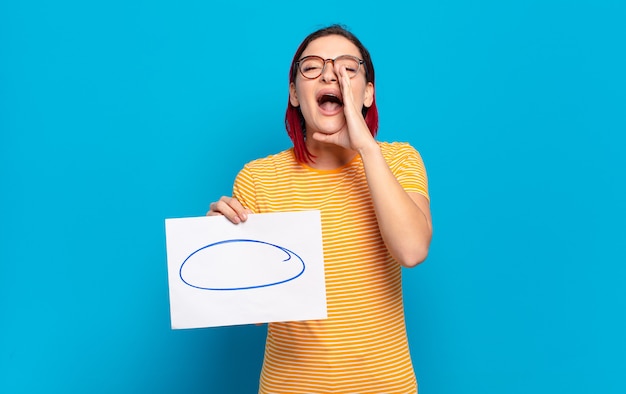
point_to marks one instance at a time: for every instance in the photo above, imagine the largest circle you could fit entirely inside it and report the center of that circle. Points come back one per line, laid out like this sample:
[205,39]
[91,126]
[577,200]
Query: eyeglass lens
[312,67]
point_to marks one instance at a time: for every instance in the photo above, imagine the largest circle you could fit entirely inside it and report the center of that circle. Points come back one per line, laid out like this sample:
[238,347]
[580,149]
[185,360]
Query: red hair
[294,121]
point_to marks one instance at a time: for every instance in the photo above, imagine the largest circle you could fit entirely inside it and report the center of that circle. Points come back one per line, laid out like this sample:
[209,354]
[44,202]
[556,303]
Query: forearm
[403,218]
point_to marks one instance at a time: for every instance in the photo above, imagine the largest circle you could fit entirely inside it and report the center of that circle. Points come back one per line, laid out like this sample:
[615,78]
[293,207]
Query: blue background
[115,115]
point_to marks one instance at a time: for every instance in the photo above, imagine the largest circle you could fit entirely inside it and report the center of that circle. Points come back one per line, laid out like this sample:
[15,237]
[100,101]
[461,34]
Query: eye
[308,66]
[349,63]
[350,67]
[311,67]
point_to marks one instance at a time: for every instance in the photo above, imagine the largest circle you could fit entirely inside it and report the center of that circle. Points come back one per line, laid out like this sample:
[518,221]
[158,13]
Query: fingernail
[236,220]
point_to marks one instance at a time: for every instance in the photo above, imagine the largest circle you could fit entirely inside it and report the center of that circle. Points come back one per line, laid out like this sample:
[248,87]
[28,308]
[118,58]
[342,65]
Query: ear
[368,100]
[293,97]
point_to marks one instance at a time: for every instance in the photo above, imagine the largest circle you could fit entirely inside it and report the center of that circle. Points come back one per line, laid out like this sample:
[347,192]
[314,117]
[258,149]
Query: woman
[376,219]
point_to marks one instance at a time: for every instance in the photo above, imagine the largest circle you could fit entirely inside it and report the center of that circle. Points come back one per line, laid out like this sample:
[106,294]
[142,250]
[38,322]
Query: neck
[328,156]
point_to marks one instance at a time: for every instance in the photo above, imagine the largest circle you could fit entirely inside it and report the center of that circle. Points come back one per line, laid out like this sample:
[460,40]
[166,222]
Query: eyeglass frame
[299,62]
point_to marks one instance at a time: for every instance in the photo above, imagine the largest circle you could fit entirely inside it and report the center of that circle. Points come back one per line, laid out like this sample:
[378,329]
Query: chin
[328,132]
[331,128]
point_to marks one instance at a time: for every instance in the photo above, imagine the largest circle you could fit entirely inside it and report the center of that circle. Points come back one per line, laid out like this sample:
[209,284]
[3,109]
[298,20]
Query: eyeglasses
[312,67]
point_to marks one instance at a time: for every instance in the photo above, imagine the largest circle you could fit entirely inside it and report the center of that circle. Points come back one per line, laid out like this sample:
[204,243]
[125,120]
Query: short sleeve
[408,167]
[244,189]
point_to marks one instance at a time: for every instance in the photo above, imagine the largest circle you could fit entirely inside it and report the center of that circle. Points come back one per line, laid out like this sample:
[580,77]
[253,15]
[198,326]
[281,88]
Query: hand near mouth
[355,135]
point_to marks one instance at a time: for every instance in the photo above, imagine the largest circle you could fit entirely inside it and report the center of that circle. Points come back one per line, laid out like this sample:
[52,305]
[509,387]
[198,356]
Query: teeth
[329,97]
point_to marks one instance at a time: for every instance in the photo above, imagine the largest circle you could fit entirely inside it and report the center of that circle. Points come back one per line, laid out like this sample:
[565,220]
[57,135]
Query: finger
[344,83]
[321,137]
[213,210]
[346,91]
[239,209]
[229,207]
[345,80]
[222,208]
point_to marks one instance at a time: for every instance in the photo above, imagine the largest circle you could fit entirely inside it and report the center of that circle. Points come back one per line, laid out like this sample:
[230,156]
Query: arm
[403,218]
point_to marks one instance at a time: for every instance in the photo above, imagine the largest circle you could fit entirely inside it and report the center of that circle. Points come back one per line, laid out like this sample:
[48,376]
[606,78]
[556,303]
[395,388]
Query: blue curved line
[287,251]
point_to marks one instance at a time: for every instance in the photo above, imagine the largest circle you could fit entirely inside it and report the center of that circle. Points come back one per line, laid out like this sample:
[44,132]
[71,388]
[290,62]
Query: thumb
[321,137]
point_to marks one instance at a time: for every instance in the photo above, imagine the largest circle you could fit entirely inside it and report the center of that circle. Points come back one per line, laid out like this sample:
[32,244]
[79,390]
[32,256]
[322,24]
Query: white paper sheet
[269,268]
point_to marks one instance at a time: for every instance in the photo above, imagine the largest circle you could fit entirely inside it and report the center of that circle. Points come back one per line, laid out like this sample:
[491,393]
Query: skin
[404,219]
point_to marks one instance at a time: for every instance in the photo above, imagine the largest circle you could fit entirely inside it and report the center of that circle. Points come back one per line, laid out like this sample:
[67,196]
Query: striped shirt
[362,347]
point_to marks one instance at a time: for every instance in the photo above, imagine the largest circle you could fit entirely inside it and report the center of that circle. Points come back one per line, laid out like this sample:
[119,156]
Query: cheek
[359,89]
[359,95]
[305,98]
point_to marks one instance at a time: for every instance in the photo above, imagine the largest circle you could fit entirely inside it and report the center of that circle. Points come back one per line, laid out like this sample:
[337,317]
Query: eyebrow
[322,57]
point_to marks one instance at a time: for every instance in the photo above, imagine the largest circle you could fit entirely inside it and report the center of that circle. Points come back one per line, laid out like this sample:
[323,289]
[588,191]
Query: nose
[328,71]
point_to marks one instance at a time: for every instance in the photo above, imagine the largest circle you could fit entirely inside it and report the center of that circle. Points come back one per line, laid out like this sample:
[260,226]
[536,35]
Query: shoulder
[394,151]
[407,166]
[280,158]
[272,163]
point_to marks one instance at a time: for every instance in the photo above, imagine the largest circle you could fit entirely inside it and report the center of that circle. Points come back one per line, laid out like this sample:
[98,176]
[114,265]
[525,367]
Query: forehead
[330,47]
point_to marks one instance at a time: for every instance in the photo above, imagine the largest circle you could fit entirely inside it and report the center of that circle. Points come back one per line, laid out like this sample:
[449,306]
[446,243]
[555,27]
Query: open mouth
[329,102]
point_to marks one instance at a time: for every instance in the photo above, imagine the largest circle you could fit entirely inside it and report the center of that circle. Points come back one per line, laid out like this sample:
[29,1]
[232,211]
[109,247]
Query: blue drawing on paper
[198,269]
